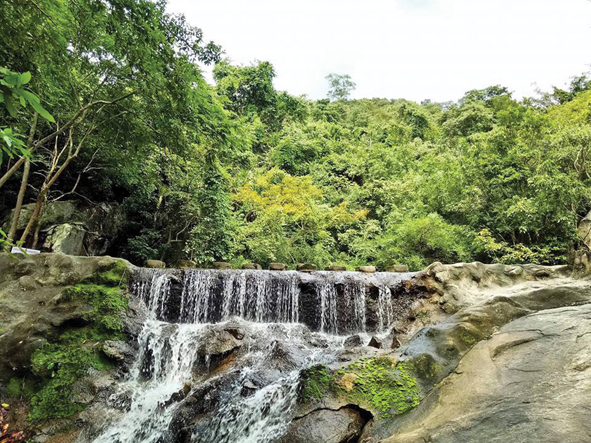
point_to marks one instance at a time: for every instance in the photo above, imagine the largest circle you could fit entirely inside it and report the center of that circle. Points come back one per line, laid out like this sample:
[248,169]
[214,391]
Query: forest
[105,101]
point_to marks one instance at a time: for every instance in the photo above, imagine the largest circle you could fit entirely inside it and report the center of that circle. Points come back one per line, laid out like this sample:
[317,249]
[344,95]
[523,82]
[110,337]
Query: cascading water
[256,323]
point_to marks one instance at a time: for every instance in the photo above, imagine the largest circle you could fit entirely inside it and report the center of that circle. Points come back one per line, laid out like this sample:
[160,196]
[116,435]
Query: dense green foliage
[243,172]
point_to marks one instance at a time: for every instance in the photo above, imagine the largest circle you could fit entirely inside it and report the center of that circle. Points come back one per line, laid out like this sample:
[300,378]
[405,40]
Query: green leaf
[36,104]
[25,78]
[42,112]
[10,106]
[28,95]
[12,79]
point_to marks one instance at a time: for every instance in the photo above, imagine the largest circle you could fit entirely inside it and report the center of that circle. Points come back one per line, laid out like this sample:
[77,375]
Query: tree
[122,79]
[340,86]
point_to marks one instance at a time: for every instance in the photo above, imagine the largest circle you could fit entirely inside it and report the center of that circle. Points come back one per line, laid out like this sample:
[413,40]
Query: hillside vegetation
[239,171]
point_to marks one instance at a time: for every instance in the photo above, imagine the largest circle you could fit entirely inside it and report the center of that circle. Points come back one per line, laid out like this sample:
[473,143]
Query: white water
[168,351]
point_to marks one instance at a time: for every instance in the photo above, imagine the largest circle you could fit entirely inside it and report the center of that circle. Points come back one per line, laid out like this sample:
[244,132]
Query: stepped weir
[220,353]
[331,302]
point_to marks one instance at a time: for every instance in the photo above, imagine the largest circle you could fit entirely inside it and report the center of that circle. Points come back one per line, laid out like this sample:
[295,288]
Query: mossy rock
[57,365]
[379,384]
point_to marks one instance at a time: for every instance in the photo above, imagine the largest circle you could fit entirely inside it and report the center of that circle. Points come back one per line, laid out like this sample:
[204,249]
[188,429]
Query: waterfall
[252,295]
[328,307]
[277,313]
[260,418]
[385,309]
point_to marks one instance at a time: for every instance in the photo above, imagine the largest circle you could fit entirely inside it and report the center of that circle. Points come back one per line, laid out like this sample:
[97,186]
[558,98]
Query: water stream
[289,321]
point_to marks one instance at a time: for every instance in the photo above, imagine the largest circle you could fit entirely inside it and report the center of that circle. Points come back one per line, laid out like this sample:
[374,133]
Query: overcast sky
[413,49]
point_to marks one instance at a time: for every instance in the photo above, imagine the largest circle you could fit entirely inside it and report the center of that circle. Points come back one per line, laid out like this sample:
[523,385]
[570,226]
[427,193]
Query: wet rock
[236,332]
[396,343]
[83,391]
[218,342]
[336,268]
[375,343]
[253,266]
[222,265]
[326,426]
[306,267]
[397,268]
[117,350]
[282,358]
[155,264]
[352,341]
[366,269]
[503,391]
[277,266]
[248,388]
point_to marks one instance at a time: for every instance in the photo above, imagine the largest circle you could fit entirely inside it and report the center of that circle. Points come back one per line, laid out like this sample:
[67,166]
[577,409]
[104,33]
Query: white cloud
[414,49]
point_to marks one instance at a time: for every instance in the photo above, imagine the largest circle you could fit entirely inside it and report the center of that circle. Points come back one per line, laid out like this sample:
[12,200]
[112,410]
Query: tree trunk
[34,215]
[19,201]
[25,181]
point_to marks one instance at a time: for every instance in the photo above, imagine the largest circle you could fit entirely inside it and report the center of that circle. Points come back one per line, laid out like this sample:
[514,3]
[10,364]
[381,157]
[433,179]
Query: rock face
[75,229]
[32,305]
[326,426]
[510,365]
[531,381]
[66,238]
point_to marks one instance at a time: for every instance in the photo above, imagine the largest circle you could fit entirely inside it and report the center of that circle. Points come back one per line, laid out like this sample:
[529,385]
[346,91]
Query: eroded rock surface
[326,426]
[530,382]
[511,365]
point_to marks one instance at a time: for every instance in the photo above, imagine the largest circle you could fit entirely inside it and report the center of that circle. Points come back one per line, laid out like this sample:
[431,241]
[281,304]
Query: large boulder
[67,239]
[530,382]
[74,228]
[326,426]
[33,307]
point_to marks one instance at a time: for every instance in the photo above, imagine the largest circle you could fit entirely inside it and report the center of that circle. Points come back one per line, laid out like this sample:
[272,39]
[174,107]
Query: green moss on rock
[386,385]
[382,384]
[56,366]
[317,381]
[467,338]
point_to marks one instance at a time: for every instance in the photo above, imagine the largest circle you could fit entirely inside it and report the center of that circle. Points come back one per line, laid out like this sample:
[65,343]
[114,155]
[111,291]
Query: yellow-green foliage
[286,219]
[56,366]
[577,111]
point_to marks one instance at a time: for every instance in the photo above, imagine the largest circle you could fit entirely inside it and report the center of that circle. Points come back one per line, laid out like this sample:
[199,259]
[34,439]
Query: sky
[412,49]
